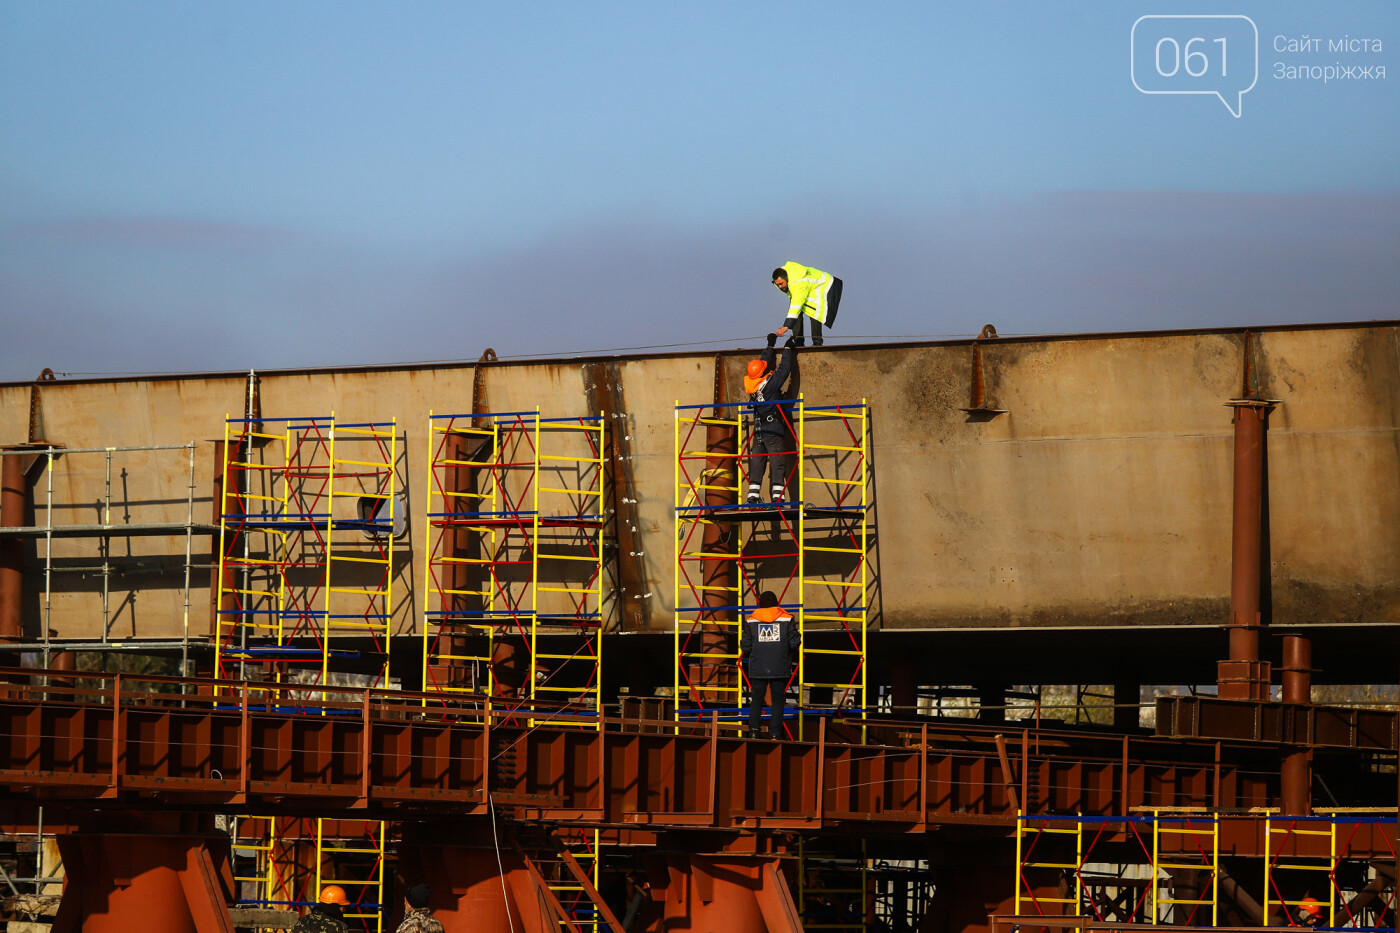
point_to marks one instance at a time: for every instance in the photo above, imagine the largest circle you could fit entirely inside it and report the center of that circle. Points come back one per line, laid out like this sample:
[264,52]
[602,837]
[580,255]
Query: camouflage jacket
[315,922]
[419,920]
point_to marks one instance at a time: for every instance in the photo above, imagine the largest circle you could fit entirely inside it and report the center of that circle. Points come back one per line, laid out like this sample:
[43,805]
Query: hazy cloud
[133,297]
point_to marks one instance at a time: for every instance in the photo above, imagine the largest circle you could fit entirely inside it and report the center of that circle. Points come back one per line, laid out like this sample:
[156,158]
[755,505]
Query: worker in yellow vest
[811,293]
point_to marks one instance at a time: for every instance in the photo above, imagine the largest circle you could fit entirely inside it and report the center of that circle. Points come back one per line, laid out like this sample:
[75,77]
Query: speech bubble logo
[1183,54]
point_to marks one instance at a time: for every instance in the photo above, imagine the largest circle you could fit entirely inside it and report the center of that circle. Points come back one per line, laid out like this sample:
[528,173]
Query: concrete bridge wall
[1101,496]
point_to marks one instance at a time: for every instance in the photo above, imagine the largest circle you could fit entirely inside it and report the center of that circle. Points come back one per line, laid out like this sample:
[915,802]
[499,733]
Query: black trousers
[777,689]
[833,304]
[797,338]
[774,451]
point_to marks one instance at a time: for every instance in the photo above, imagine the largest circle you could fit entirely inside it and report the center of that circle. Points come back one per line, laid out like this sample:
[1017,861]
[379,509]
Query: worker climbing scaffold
[773,438]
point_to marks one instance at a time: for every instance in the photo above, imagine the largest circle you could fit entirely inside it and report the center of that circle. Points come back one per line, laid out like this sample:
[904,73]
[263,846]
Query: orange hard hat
[757,368]
[1310,906]
[334,894]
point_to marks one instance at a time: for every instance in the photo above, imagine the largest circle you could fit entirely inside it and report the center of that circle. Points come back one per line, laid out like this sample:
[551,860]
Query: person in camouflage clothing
[326,916]
[419,918]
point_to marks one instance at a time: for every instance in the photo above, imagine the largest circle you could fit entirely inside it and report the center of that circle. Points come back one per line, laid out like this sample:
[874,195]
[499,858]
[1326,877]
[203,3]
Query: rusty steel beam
[275,749]
[1341,727]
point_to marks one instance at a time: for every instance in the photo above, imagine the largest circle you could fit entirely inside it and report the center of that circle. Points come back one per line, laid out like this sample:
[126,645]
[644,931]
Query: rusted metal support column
[1297,669]
[719,575]
[1127,699]
[63,661]
[1296,772]
[510,658]
[736,894]
[461,543]
[1244,676]
[904,691]
[471,894]
[14,506]
[991,699]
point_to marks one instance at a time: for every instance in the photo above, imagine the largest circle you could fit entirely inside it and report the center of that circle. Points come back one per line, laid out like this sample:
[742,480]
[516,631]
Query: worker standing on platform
[771,442]
[811,293]
[327,915]
[419,918]
[768,649]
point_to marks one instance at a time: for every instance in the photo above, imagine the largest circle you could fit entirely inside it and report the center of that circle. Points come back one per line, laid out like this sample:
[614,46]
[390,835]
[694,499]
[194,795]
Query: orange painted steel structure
[95,743]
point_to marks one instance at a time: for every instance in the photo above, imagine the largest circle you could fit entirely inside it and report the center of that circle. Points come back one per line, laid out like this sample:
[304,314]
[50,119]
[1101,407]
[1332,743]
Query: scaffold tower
[1313,878]
[307,523]
[811,549]
[834,891]
[1138,869]
[285,861]
[515,559]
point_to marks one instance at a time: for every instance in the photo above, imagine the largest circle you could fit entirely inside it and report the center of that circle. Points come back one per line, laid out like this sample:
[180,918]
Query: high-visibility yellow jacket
[807,291]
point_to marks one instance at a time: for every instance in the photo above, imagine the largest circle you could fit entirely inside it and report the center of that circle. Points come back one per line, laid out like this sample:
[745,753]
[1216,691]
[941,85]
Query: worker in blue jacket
[768,649]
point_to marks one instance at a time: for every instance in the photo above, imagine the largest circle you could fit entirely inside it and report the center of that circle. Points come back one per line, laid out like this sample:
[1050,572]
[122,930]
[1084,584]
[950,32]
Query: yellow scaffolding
[586,848]
[356,863]
[567,551]
[282,864]
[515,518]
[274,520]
[1299,832]
[1190,829]
[467,538]
[306,538]
[833,555]
[285,861]
[1034,835]
[363,504]
[834,892]
[1041,843]
[706,484]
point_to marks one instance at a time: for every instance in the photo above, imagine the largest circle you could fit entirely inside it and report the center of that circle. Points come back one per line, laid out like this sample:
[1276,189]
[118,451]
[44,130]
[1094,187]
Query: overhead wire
[558,354]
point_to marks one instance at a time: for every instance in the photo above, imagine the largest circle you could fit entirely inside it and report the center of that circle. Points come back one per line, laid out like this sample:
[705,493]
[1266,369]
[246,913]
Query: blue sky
[197,186]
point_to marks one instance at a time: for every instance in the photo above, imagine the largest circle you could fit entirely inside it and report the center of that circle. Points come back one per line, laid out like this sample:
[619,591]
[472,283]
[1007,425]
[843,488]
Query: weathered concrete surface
[1101,496]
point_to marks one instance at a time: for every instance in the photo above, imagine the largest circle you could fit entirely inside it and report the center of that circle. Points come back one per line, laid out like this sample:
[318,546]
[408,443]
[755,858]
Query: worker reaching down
[811,293]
